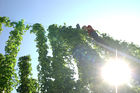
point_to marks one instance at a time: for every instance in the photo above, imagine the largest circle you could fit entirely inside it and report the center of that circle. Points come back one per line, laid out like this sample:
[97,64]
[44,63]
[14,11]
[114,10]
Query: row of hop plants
[70,46]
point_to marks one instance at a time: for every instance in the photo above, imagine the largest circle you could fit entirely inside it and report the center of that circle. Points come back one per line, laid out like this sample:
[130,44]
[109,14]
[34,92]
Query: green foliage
[8,78]
[44,68]
[2,59]
[123,46]
[69,46]
[5,21]
[26,85]
[64,41]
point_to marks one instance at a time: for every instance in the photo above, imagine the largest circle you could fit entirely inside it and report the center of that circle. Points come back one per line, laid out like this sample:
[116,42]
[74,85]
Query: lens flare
[116,72]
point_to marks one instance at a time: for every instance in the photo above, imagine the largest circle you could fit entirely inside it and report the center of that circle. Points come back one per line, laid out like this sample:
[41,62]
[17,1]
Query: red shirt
[90,29]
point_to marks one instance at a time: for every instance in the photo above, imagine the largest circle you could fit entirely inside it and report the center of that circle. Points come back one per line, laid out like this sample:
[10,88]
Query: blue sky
[118,18]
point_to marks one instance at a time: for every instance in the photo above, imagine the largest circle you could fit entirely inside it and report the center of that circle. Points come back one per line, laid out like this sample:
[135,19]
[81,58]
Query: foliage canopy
[71,48]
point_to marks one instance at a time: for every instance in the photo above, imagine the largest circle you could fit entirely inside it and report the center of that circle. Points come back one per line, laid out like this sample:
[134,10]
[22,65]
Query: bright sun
[116,72]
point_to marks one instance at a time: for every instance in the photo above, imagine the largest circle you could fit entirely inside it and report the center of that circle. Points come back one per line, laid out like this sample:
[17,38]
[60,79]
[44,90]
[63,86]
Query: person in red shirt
[92,33]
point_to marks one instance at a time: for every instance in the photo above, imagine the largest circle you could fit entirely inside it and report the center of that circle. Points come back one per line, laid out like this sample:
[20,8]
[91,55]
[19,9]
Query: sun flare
[116,72]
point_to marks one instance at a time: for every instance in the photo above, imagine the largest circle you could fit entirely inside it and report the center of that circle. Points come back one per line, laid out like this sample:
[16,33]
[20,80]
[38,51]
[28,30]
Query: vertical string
[116,89]
[116,54]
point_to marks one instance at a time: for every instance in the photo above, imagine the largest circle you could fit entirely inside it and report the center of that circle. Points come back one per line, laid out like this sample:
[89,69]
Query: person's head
[84,27]
[89,27]
[78,26]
